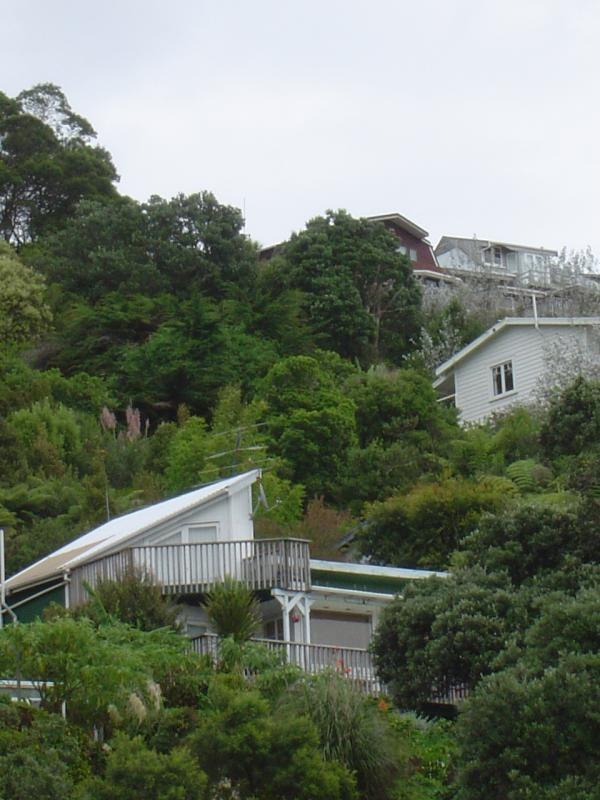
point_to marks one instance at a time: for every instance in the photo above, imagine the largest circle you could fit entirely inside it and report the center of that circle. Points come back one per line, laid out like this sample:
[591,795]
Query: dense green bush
[527,540]
[443,632]
[573,420]
[424,526]
[526,734]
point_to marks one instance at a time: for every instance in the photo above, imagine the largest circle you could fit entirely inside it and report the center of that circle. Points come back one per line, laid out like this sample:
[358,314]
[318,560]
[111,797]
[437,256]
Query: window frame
[184,531]
[501,370]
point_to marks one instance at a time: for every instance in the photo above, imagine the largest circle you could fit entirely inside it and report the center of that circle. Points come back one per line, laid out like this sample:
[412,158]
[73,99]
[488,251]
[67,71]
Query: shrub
[134,599]
[423,527]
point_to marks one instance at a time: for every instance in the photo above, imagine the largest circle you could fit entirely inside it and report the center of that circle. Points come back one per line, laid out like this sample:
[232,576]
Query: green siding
[360,583]
[35,607]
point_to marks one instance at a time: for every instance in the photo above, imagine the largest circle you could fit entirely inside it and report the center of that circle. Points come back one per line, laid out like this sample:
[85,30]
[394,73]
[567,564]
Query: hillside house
[507,363]
[322,613]
[506,264]
[414,243]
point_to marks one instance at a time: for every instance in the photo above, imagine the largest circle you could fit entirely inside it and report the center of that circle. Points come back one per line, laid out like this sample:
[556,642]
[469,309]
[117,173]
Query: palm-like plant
[233,610]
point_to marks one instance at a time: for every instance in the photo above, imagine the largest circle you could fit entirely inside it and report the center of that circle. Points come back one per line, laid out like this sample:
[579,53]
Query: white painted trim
[36,595]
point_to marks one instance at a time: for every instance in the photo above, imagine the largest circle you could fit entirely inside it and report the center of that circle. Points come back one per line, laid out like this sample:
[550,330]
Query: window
[502,378]
[407,251]
[196,534]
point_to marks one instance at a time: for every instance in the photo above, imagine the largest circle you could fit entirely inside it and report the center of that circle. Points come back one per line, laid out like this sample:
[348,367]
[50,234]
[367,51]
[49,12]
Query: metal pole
[3,606]
[2,589]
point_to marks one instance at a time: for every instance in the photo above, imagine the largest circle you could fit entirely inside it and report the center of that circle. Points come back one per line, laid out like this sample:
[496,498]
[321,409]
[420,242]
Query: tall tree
[360,293]
[47,164]
[310,420]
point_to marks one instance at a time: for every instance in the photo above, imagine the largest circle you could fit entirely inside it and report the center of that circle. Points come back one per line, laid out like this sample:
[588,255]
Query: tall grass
[353,730]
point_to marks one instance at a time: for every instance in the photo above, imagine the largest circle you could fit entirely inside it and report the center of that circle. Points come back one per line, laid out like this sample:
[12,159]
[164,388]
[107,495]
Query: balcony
[197,568]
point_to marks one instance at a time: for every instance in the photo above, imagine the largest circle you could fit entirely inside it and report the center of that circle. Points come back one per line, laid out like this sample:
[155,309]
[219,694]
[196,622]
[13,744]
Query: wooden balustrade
[108,568]
[351,662]
[196,568]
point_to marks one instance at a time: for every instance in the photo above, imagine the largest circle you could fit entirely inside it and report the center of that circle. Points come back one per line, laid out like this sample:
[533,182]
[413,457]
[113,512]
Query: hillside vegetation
[146,348]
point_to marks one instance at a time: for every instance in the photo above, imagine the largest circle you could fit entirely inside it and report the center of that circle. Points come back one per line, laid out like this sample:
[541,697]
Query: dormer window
[502,378]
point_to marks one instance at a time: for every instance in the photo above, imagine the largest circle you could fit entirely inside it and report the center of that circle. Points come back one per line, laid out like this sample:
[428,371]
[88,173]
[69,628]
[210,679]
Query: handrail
[353,663]
[197,568]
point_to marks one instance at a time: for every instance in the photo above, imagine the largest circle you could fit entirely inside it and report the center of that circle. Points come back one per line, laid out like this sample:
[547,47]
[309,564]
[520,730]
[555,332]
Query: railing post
[285,576]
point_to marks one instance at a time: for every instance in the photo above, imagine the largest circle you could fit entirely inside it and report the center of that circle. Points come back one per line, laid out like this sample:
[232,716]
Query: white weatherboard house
[498,261]
[506,364]
[322,613]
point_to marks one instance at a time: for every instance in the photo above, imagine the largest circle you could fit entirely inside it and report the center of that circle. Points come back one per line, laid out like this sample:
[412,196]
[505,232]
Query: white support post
[307,604]
[67,589]
[290,601]
[286,622]
[3,606]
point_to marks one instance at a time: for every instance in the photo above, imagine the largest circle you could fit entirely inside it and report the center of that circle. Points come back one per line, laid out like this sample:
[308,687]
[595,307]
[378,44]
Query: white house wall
[231,517]
[524,346]
[240,509]
[456,259]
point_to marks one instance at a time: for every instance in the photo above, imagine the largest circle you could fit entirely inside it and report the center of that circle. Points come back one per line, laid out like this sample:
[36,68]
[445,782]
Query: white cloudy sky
[467,116]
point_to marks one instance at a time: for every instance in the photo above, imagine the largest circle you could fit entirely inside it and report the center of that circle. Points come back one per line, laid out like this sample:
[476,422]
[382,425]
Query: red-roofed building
[413,242]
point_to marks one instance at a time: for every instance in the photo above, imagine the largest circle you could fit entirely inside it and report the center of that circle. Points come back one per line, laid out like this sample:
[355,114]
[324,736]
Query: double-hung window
[502,378]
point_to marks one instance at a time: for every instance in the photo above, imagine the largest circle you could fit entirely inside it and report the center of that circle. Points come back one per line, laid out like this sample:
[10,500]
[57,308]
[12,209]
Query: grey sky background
[468,117]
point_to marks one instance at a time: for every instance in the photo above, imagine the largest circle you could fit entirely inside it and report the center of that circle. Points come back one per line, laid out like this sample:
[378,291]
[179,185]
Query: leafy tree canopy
[360,294]
[532,734]
[310,420]
[443,632]
[573,421]
[423,527]
[526,541]
[24,314]
[46,163]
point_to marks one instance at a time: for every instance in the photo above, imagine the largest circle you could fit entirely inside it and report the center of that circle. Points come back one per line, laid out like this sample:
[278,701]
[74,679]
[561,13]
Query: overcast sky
[468,117]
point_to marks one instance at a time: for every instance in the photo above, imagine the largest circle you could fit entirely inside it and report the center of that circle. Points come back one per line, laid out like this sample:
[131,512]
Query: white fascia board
[439,276]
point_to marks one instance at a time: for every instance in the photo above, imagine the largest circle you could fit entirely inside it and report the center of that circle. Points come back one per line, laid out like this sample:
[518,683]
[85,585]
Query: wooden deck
[196,568]
[351,662]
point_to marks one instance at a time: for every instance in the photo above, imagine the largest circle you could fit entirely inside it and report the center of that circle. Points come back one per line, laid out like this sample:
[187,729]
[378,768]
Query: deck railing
[351,662]
[197,568]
